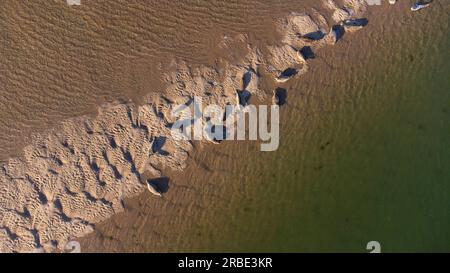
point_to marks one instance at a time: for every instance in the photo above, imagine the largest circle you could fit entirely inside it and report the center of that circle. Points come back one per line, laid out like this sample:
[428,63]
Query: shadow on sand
[160,184]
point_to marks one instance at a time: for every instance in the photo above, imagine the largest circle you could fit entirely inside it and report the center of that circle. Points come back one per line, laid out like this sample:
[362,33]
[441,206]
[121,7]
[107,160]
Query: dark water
[365,153]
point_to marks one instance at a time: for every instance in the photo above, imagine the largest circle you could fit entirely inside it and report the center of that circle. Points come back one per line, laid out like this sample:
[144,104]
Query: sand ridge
[78,175]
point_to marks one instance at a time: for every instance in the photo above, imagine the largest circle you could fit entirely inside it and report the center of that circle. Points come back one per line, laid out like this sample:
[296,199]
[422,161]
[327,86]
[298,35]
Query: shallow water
[369,159]
[364,156]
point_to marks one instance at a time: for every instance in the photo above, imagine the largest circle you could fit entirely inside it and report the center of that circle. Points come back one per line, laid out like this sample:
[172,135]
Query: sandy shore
[79,173]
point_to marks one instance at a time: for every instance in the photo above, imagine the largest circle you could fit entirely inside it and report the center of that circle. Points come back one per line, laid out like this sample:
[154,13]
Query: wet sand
[119,65]
[64,61]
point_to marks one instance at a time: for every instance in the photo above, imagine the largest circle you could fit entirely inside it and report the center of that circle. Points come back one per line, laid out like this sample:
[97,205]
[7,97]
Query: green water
[364,155]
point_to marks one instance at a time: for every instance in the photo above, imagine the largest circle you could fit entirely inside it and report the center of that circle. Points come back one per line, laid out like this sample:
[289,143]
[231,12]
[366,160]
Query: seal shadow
[161,184]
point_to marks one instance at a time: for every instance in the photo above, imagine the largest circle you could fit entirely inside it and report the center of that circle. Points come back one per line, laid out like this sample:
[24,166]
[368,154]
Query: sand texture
[78,172]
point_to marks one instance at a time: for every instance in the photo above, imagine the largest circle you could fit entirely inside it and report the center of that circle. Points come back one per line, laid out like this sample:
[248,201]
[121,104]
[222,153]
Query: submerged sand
[78,173]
